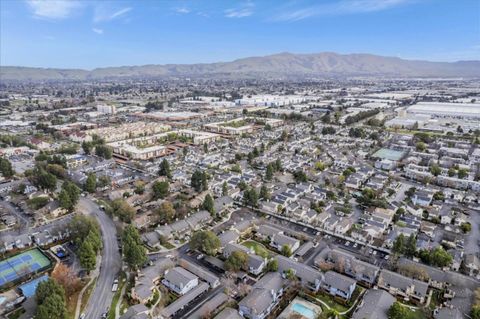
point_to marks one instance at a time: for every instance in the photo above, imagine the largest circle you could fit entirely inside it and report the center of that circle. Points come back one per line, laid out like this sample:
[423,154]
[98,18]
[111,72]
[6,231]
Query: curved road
[102,296]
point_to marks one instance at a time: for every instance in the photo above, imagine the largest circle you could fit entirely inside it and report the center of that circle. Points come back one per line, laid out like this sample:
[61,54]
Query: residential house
[338,285]
[401,286]
[148,278]
[374,305]
[278,241]
[309,277]
[180,280]
[472,265]
[264,296]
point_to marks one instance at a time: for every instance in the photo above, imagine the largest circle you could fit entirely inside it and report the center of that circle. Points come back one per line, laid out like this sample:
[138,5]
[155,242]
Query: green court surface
[389,154]
[21,265]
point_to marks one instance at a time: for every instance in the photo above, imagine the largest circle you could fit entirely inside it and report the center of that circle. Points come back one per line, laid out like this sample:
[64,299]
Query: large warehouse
[456,110]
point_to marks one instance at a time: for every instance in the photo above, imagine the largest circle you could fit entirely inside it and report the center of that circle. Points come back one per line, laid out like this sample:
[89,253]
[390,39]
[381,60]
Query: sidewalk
[93,276]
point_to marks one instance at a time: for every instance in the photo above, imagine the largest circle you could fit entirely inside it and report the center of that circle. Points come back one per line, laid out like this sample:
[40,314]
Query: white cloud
[97,31]
[245,10]
[182,10]
[105,14]
[340,8]
[53,9]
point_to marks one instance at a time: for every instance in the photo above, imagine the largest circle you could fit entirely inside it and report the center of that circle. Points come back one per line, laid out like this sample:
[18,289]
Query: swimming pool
[303,310]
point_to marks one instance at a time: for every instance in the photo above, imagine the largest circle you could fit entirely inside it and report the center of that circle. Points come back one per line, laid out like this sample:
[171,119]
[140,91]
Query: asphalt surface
[102,296]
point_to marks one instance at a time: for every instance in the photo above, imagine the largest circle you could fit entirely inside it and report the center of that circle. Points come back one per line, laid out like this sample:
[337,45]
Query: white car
[200,256]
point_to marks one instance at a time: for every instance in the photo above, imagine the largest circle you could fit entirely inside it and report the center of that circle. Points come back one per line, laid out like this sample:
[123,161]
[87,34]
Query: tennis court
[386,153]
[21,265]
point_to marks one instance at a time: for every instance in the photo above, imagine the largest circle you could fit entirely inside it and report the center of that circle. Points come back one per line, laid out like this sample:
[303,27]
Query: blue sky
[89,34]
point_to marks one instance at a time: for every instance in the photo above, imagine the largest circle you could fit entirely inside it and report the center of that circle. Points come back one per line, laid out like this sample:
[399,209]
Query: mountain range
[325,64]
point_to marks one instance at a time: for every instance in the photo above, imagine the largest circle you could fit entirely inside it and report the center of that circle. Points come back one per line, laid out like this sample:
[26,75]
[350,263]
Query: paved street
[101,297]
[23,221]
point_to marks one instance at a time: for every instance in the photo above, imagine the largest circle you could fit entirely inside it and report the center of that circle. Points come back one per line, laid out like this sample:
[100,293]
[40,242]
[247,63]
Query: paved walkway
[92,278]
[119,302]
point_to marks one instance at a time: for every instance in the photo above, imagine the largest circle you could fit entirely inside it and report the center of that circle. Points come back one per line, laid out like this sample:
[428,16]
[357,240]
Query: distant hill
[283,64]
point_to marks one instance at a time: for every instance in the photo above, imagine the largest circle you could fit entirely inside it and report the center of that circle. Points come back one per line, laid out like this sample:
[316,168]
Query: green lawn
[121,282]
[258,248]
[330,301]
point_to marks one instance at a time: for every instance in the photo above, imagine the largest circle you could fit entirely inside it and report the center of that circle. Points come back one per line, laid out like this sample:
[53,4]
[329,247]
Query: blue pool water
[304,311]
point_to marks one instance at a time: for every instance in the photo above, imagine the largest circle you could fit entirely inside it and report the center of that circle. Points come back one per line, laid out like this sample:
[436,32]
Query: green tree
[278,165]
[436,257]
[134,252]
[224,189]
[104,181]
[269,172]
[91,183]
[236,169]
[398,311]
[250,197]
[53,307]
[199,181]
[47,288]
[451,172]
[399,244]
[166,212]
[238,260]
[466,227]
[208,204]
[160,189]
[462,173]
[57,170]
[81,226]
[64,200]
[272,265]
[87,256]
[421,146]
[6,168]
[87,147]
[475,312]
[286,251]
[300,176]
[122,209]
[205,241]
[50,298]
[69,196]
[164,169]
[103,151]
[435,170]
[411,246]
[44,180]
[319,166]
[242,185]
[264,193]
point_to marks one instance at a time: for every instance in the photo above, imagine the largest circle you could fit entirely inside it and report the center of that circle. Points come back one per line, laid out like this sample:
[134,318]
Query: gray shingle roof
[374,305]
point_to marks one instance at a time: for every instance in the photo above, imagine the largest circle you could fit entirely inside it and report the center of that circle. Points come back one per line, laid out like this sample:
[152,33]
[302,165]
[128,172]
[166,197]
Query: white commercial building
[454,110]
[106,109]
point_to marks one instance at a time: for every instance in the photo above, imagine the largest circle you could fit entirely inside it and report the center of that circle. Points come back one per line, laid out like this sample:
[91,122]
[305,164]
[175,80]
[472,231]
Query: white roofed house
[180,280]
[343,226]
